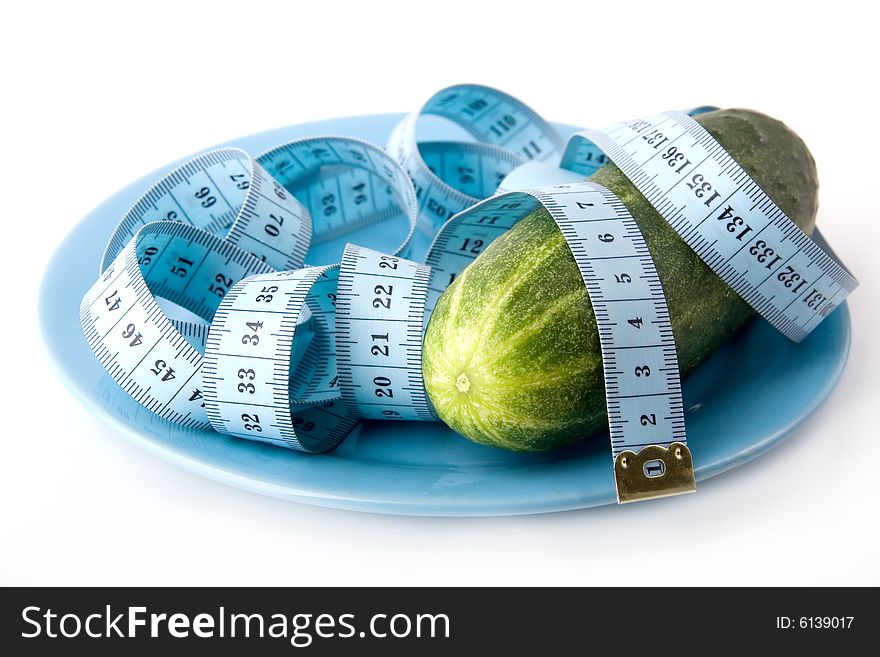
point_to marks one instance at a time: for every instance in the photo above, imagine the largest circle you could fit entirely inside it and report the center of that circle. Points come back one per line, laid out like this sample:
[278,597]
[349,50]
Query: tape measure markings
[379,318]
[302,233]
[471,233]
[509,131]
[497,118]
[301,167]
[476,168]
[631,390]
[776,259]
[248,214]
[639,358]
[326,230]
[130,334]
[590,158]
[260,314]
[195,269]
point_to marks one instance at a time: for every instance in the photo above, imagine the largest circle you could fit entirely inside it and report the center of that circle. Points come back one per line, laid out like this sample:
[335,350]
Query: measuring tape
[131,335]
[253,386]
[450,177]
[587,161]
[643,391]
[228,194]
[348,185]
[182,259]
[297,355]
[380,314]
[723,215]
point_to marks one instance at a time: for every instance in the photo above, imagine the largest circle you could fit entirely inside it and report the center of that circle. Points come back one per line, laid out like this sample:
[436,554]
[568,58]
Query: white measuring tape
[255,385]
[228,194]
[131,335]
[379,318]
[298,357]
[450,177]
[724,216]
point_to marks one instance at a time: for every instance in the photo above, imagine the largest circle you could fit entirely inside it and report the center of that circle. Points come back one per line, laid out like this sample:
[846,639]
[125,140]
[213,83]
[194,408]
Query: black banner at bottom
[433,621]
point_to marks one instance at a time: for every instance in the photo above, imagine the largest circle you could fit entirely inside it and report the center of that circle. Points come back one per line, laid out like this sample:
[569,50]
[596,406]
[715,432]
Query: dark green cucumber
[511,356]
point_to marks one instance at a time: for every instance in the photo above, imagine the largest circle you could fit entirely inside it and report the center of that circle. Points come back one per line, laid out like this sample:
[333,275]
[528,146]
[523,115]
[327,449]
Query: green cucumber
[511,355]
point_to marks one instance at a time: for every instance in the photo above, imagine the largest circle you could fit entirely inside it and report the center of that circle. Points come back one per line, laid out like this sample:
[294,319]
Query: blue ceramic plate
[427,469]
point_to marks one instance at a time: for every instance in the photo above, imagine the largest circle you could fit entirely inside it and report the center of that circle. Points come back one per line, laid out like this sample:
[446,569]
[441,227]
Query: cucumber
[511,356]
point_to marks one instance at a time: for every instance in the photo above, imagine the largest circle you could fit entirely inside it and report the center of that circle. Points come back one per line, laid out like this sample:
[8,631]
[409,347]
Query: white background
[94,96]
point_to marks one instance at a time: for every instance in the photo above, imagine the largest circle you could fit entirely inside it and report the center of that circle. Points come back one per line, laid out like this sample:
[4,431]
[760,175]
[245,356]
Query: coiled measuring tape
[254,386]
[347,185]
[130,333]
[298,357]
[182,258]
[226,193]
[451,176]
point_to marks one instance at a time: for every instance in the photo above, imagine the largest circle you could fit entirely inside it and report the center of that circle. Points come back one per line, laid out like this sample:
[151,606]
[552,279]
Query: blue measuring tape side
[133,338]
[450,177]
[716,207]
[226,193]
[347,184]
[183,259]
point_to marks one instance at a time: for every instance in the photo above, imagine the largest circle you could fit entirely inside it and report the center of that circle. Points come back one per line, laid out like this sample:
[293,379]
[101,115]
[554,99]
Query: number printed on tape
[724,216]
[451,176]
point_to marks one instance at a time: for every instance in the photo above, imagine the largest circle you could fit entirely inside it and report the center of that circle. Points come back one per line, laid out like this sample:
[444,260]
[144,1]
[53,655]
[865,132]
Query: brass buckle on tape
[654,472]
